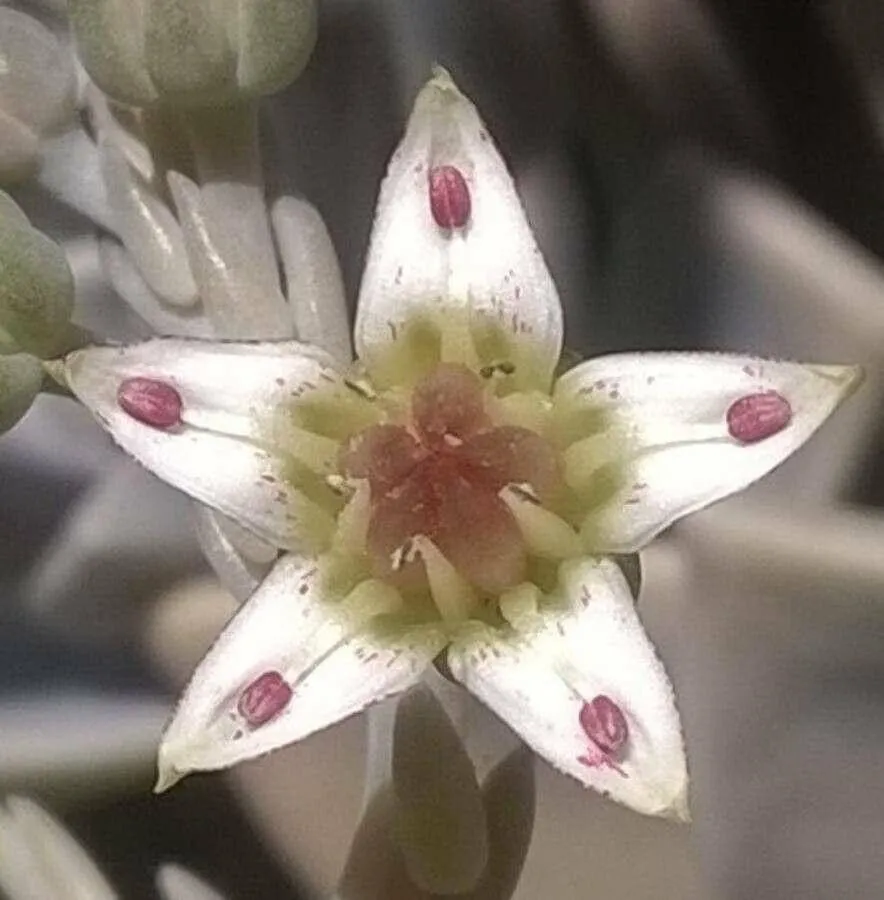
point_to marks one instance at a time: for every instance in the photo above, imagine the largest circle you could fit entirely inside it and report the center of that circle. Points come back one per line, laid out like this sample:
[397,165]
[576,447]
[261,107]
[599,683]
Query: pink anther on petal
[450,201]
[758,416]
[150,402]
[604,724]
[264,699]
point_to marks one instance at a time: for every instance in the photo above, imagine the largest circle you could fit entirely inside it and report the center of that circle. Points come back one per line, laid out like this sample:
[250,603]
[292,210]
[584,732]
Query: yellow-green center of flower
[452,482]
[457,476]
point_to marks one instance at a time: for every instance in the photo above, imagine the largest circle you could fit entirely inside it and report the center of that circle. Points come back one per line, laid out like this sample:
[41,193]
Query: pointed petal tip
[168,774]
[439,90]
[441,79]
[848,378]
[680,810]
[441,74]
[677,809]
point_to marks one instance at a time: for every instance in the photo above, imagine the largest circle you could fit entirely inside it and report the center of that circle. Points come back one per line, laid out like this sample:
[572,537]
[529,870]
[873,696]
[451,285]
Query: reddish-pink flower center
[264,699]
[151,402]
[758,416]
[450,201]
[440,476]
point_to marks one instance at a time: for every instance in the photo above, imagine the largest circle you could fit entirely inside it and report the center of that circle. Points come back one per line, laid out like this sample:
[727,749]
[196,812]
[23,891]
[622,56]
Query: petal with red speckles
[295,659]
[679,431]
[221,452]
[491,265]
[588,644]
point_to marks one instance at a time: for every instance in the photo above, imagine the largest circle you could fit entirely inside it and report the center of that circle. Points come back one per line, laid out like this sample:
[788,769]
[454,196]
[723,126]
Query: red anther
[758,416]
[604,724]
[450,201]
[264,699]
[151,402]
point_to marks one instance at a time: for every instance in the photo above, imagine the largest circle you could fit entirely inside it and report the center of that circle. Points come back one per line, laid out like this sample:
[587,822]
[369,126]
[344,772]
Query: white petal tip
[675,809]
[441,80]
[168,774]
[846,378]
[440,89]
[679,810]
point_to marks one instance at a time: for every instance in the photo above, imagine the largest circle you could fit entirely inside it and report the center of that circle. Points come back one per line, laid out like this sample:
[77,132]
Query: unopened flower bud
[21,377]
[36,287]
[193,52]
[37,91]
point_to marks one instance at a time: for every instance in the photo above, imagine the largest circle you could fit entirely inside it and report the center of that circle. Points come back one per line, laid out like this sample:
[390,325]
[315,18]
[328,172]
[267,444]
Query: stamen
[457,344]
[362,387]
[340,485]
[150,402]
[317,452]
[452,594]
[402,555]
[264,699]
[545,534]
[368,599]
[758,416]
[500,368]
[352,529]
[450,201]
[520,605]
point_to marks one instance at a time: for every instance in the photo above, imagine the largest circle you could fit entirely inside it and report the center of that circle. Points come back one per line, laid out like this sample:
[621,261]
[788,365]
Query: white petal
[230,249]
[667,437]
[177,883]
[37,81]
[228,393]
[324,647]
[70,170]
[237,571]
[147,227]
[129,283]
[538,678]
[314,285]
[39,859]
[492,265]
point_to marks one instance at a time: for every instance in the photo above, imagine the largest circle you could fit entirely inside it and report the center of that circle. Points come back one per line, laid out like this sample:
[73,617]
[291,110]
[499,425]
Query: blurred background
[702,174]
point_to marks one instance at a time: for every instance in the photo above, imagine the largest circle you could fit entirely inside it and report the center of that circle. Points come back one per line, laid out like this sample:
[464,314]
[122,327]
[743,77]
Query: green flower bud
[193,52]
[21,377]
[37,91]
[36,287]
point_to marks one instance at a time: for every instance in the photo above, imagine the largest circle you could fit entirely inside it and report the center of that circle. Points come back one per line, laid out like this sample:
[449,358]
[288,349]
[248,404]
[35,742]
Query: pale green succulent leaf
[188,53]
[110,44]
[275,40]
[21,377]
[36,286]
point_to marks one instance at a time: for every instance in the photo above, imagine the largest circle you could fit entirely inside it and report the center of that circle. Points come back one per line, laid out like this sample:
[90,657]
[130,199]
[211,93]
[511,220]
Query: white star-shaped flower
[447,493]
